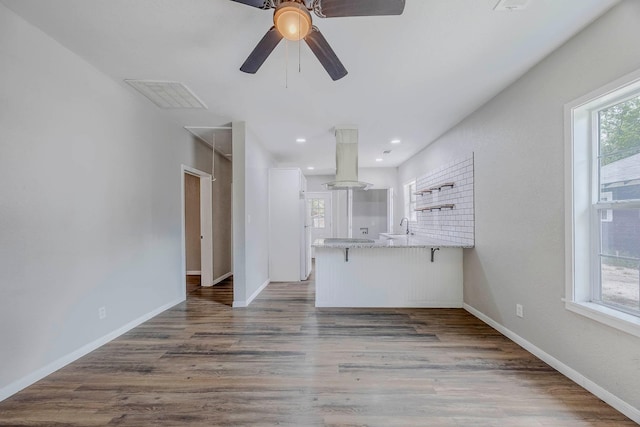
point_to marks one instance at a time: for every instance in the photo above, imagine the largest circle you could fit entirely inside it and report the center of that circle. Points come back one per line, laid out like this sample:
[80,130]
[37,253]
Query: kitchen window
[410,200]
[603,206]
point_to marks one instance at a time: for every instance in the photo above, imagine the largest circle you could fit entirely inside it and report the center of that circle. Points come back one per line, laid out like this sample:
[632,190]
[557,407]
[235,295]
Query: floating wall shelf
[438,187]
[435,208]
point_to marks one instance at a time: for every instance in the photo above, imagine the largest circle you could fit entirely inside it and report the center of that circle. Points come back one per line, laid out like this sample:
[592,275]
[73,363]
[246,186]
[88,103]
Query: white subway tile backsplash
[455,225]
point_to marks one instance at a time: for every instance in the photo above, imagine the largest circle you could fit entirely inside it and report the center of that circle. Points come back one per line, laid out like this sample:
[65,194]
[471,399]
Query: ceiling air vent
[511,5]
[169,95]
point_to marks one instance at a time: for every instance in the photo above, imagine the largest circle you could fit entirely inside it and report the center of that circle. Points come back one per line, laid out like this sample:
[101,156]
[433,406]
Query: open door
[206,230]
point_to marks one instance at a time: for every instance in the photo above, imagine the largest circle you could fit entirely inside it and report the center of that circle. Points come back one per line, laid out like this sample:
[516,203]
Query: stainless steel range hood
[347,161]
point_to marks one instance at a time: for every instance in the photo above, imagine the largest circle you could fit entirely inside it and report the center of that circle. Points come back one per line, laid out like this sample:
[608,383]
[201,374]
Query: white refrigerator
[289,226]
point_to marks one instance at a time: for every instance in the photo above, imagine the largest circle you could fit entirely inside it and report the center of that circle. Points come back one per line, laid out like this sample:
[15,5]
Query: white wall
[379,177]
[518,141]
[370,210]
[251,163]
[258,161]
[222,220]
[386,178]
[90,206]
[314,182]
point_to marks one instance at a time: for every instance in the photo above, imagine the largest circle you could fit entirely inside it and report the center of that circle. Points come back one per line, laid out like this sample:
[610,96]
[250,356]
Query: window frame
[599,204]
[583,206]
[410,205]
[317,201]
[609,212]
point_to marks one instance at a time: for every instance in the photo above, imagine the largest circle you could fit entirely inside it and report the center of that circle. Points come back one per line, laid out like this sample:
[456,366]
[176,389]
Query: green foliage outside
[620,131]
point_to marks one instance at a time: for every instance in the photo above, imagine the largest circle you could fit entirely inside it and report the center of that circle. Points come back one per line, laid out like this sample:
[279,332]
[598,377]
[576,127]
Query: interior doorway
[197,235]
[192,230]
[219,140]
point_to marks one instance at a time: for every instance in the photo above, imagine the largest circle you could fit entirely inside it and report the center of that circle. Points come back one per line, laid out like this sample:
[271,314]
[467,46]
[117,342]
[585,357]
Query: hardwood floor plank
[283,362]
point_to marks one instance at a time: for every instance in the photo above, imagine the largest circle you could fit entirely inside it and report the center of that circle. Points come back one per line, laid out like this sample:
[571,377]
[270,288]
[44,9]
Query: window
[603,223]
[317,213]
[618,240]
[410,200]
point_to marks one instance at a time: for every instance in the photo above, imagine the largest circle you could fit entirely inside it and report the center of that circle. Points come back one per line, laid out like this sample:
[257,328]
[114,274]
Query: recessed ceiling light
[395,141]
[379,159]
[301,140]
[310,168]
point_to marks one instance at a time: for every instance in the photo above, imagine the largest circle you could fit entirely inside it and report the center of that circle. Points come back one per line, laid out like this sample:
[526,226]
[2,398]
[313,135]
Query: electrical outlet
[519,310]
[102,313]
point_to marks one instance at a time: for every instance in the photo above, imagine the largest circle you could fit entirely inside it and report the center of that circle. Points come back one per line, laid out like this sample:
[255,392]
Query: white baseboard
[572,374]
[241,304]
[36,376]
[221,278]
[194,273]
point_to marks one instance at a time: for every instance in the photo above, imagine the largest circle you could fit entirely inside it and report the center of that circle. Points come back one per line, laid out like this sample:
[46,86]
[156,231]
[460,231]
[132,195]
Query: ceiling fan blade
[262,4]
[327,57]
[340,8]
[262,51]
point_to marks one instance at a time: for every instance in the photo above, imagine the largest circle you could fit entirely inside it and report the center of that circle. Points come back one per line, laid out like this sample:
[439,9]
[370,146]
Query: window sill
[610,317]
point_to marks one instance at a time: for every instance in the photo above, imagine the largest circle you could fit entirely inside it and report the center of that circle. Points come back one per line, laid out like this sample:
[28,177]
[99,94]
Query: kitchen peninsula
[406,270]
[390,272]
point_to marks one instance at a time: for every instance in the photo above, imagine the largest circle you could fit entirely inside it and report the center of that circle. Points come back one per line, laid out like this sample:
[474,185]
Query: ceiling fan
[292,20]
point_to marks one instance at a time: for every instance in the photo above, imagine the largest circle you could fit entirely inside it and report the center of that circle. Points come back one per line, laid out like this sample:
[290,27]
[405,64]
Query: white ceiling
[410,77]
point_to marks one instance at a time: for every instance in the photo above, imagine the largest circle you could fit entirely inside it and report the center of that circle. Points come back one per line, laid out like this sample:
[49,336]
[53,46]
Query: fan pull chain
[286,65]
[299,43]
[299,57]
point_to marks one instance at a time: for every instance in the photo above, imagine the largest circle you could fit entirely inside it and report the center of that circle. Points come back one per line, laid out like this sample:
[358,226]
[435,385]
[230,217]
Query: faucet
[403,220]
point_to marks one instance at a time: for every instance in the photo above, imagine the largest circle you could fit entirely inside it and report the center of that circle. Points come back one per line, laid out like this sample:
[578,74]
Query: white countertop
[398,242]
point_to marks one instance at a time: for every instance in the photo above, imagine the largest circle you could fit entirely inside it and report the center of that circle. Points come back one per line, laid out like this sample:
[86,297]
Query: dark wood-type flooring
[283,362]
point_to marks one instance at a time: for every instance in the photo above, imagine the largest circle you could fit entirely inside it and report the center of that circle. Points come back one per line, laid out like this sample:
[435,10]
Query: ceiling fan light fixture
[292,20]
